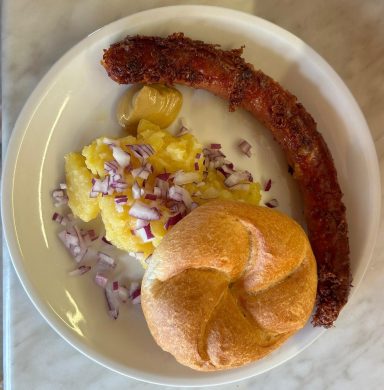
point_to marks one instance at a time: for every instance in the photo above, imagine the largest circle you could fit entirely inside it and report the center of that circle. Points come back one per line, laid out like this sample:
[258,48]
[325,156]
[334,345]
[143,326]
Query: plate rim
[31,105]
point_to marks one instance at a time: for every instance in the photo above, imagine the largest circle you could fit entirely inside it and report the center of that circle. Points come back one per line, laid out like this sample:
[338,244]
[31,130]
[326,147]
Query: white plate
[75,102]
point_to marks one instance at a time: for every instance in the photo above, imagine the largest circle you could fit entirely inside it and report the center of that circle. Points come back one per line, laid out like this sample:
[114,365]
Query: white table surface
[350,36]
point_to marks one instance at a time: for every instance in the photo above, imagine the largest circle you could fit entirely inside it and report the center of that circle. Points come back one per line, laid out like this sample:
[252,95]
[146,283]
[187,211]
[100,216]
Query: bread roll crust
[228,285]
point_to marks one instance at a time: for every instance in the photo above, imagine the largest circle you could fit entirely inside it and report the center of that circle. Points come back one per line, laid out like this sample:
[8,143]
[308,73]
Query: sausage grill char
[177,59]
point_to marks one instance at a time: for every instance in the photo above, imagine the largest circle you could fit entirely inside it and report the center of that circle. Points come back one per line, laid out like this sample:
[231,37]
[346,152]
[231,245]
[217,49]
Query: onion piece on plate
[142,151]
[172,220]
[272,203]
[123,158]
[106,260]
[81,270]
[267,185]
[142,211]
[112,302]
[238,177]
[145,233]
[245,147]
[60,197]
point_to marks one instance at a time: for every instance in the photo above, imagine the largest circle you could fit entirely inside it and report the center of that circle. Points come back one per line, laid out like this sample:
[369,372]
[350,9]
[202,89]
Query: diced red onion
[175,193]
[71,240]
[61,219]
[68,239]
[123,158]
[112,303]
[111,167]
[93,194]
[164,176]
[212,153]
[157,192]
[206,152]
[60,197]
[100,186]
[180,194]
[272,203]
[237,177]
[104,239]
[112,190]
[101,280]
[181,177]
[218,162]
[215,146]
[145,233]
[82,269]
[267,185]
[150,196]
[104,259]
[74,242]
[123,294]
[183,130]
[172,220]
[163,186]
[121,199]
[133,287]
[89,236]
[198,155]
[92,234]
[142,172]
[135,292]
[245,147]
[136,191]
[119,185]
[142,151]
[227,169]
[63,186]
[140,223]
[142,211]
[196,165]
[119,202]
[176,207]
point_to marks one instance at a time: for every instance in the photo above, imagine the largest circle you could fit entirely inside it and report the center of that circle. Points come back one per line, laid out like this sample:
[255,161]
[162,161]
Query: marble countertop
[349,35]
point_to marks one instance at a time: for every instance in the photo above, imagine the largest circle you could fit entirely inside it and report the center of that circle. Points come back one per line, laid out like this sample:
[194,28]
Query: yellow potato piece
[79,185]
[157,103]
[96,154]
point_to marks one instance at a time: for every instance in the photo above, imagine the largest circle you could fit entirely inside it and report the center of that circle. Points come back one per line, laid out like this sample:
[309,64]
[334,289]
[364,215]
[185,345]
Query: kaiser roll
[229,284]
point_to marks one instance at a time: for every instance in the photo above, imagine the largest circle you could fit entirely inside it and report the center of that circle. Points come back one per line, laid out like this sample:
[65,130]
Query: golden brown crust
[178,59]
[228,285]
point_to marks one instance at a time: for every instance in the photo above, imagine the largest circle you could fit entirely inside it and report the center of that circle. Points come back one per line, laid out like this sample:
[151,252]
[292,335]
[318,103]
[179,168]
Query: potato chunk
[79,185]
